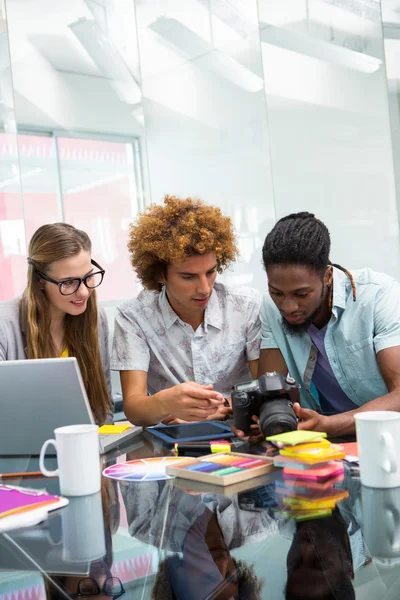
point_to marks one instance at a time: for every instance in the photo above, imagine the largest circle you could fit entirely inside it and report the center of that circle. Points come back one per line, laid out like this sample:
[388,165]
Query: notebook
[20,507]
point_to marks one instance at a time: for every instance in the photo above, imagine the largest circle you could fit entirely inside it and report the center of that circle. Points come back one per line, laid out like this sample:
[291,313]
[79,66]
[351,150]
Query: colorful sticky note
[314,455]
[113,429]
[292,438]
[318,443]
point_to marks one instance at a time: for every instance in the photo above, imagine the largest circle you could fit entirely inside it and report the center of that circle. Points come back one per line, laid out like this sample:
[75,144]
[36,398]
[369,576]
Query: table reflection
[88,525]
[319,562]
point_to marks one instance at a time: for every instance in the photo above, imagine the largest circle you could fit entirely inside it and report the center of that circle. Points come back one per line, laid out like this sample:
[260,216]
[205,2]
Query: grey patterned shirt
[149,336]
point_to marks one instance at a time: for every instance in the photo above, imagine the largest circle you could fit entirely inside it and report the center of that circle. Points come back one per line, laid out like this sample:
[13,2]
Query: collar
[212,315]
[339,289]
[168,313]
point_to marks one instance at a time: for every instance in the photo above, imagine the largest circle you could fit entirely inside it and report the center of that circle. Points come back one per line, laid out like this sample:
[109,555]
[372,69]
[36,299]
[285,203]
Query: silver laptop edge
[39,395]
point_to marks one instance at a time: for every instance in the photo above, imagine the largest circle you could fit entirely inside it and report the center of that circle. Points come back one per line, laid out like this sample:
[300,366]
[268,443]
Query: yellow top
[65,353]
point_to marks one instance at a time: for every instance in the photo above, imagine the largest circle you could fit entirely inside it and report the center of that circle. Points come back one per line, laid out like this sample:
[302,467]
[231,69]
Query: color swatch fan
[143,469]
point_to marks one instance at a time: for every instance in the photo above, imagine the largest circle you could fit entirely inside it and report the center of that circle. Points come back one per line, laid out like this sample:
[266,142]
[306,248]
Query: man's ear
[329,275]
[163,277]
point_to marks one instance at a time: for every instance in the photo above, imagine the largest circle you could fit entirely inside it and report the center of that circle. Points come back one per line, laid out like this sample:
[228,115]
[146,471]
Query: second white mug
[78,459]
[83,529]
[381,521]
[378,437]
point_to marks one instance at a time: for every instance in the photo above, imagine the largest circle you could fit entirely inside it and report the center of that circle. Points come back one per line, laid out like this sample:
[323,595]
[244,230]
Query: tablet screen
[194,430]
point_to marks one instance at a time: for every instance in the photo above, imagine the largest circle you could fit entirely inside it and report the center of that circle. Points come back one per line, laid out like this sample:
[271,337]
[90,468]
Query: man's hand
[310,419]
[191,401]
[221,412]
[171,420]
[256,436]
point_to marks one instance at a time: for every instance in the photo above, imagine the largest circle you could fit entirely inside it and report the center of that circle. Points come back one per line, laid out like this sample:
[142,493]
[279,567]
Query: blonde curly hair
[173,232]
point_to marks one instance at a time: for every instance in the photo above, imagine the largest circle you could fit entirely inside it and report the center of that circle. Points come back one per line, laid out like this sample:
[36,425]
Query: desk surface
[155,537]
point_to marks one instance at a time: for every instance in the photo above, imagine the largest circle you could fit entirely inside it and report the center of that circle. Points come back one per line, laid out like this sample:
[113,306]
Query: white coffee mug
[381,521]
[83,529]
[78,459]
[378,437]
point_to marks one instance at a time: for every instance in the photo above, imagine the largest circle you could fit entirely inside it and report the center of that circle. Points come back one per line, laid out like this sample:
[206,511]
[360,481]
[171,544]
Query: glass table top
[171,539]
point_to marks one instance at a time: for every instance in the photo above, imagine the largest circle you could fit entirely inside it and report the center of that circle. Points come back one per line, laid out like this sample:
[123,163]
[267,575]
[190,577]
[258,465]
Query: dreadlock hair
[301,239]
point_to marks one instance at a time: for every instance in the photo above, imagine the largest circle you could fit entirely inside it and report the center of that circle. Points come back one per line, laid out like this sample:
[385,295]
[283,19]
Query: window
[94,184]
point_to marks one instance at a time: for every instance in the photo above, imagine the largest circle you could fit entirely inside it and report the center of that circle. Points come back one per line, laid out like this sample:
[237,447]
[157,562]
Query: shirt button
[312,357]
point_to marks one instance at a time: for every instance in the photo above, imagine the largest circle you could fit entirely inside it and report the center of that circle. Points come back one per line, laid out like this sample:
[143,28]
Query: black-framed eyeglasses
[89,587]
[72,285]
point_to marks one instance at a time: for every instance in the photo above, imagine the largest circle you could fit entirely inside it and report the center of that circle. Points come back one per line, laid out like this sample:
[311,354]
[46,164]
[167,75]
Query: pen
[203,443]
[188,448]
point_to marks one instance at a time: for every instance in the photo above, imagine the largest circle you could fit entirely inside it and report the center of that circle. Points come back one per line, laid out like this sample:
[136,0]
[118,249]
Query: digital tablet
[203,430]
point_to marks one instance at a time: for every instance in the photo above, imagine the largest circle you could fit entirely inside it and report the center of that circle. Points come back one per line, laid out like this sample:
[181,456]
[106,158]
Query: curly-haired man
[185,339]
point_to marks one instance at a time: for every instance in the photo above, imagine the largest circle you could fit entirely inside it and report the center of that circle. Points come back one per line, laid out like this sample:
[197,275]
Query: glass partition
[331,151]
[12,228]
[391,34]
[79,115]
[205,116]
[263,107]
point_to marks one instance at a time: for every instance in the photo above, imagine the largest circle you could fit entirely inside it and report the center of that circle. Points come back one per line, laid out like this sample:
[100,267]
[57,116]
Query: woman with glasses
[58,315]
[100,584]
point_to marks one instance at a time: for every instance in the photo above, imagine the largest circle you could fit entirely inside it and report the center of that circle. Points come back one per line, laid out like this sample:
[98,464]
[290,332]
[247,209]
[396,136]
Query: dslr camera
[270,398]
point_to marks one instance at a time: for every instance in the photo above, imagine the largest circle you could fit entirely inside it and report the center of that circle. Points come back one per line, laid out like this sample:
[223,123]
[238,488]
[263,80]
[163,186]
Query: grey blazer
[13,340]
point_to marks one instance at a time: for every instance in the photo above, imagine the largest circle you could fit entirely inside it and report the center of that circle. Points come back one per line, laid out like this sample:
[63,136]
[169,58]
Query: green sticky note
[292,438]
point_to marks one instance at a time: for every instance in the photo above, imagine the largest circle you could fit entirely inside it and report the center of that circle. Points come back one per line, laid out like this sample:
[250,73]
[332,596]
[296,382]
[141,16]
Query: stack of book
[312,466]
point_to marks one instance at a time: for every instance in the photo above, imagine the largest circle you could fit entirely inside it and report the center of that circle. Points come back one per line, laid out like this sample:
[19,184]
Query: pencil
[17,475]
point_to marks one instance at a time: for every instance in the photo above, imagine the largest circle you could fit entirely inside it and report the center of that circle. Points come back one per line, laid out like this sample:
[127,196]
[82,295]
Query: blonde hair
[48,244]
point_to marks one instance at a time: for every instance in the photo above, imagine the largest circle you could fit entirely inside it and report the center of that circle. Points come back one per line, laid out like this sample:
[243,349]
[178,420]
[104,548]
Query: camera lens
[277,416]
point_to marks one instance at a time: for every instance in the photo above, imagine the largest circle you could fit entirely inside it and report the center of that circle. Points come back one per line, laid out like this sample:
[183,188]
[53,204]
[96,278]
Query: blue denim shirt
[356,332]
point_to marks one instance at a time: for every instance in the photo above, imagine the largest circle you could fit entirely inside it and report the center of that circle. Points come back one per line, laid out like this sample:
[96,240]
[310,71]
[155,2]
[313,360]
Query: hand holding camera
[271,398]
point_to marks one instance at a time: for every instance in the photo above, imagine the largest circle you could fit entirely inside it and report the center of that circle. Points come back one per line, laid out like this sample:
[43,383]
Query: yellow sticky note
[299,436]
[113,429]
[332,453]
[318,443]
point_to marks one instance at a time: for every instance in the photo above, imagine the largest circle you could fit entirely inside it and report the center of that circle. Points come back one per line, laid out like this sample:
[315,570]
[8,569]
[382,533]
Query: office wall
[331,147]
[391,34]
[12,233]
[262,107]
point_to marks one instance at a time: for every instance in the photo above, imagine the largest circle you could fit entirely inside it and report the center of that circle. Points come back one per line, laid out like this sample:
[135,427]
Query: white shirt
[149,336]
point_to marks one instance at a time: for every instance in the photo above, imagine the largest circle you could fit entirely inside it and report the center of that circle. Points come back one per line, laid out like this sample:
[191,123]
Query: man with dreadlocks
[336,333]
